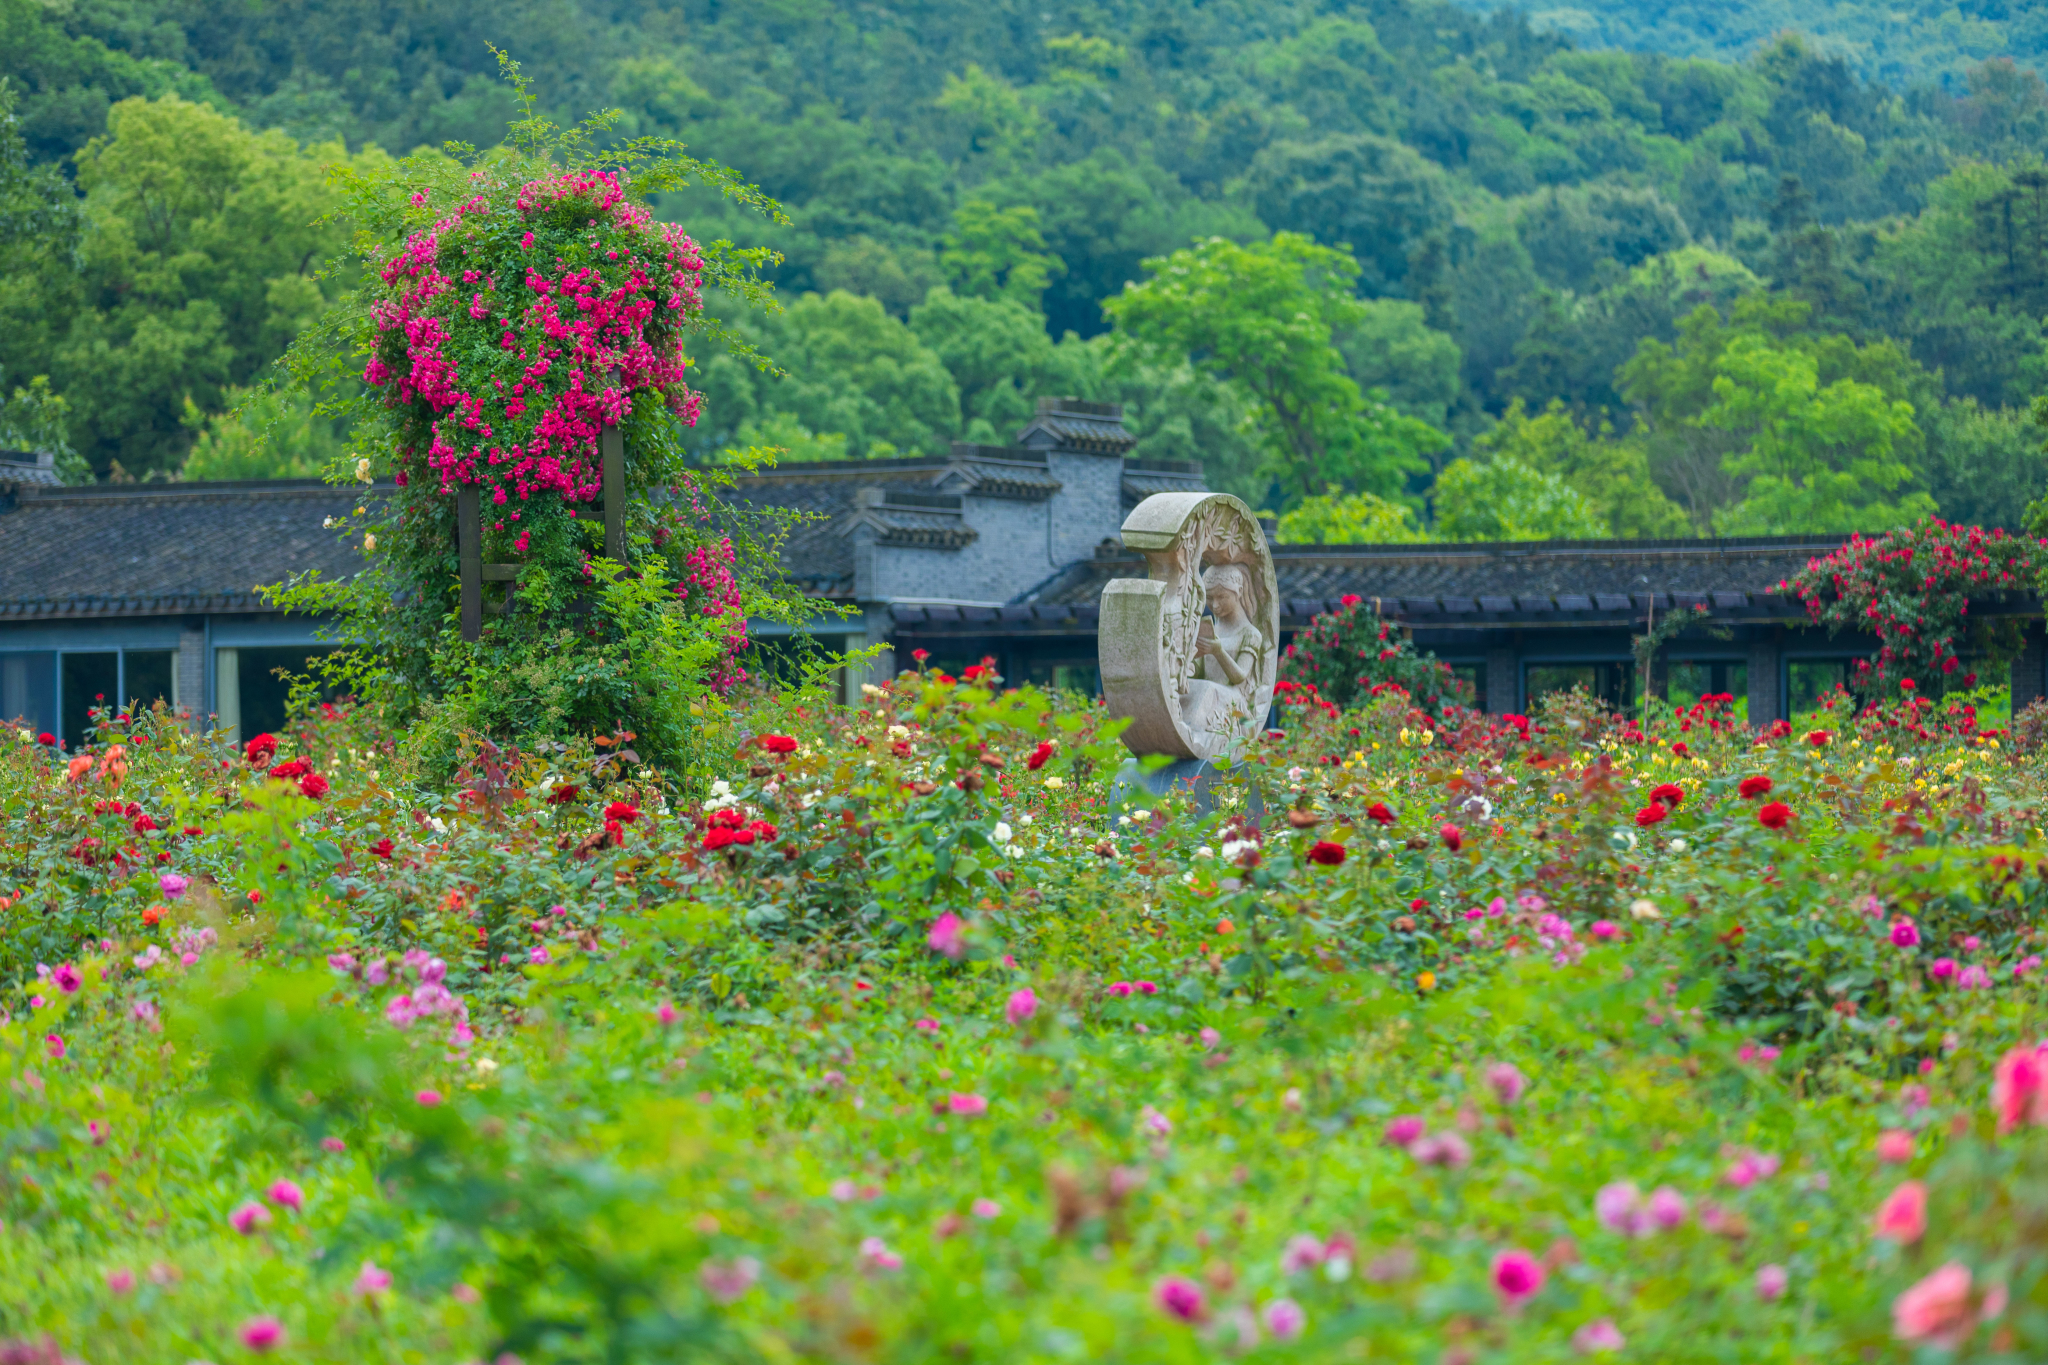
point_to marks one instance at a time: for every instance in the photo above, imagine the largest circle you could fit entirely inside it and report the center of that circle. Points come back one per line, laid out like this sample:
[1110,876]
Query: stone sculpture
[1190,653]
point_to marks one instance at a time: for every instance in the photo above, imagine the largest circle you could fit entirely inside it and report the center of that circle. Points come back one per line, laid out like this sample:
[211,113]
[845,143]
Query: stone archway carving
[1179,701]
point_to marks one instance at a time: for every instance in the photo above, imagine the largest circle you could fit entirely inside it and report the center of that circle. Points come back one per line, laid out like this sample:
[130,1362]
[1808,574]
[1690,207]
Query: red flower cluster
[1818,738]
[1669,794]
[1650,815]
[313,785]
[1774,815]
[731,826]
[1378,811]
[563,794]
[1039,756]
[776,744]
[1753,787]
[622,812]
[260,749]
[1326,854]
[297,767]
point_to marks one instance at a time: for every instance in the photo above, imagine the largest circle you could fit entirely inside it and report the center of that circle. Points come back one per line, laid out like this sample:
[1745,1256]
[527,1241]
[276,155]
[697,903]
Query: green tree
[1262,317]
[266,434]
[1392,348]
[852,368]
[1002,360]
[1371,195]
[1353,519]
[37,420]
[998,253]
[1612,476]
[1505,499]
[1820,458]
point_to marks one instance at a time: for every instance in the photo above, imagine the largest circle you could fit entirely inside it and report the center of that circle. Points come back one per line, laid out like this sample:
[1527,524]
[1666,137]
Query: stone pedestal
[1212,788]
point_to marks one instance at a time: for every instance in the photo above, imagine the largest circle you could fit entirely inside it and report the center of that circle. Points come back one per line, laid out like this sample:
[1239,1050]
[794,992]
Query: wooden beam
[469,549]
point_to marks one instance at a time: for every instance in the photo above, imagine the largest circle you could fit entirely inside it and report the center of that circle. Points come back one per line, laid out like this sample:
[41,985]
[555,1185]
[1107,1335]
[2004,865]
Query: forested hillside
[1531,289]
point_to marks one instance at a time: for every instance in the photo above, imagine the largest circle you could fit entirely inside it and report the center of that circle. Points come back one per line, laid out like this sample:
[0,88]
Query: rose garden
[579,987]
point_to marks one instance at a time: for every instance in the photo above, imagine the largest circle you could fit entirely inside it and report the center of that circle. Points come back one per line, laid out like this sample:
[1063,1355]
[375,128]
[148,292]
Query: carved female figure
[1230,655]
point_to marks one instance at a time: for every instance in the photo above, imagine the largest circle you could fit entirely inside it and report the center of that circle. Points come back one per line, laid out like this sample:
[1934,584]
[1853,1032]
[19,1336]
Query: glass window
[149,676]
[88,680]
[1811,680]
[262,693]
[1692,679]
[28,689]
[1612,683]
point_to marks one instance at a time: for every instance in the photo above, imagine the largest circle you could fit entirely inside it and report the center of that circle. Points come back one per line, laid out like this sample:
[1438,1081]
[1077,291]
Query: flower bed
[1510,1041]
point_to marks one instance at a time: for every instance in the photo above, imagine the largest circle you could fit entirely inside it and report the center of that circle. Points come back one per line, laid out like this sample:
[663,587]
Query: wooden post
[469,546]
[613,445]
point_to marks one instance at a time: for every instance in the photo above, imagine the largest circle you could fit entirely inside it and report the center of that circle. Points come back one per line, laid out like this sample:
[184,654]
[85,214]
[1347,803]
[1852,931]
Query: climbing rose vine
[1912,589]
[513,338]
[1346,653]
[512,309]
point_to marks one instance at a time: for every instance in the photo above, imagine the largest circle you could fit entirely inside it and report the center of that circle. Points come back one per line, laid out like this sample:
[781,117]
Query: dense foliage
[977,193]
[902,1045]
[1350,655]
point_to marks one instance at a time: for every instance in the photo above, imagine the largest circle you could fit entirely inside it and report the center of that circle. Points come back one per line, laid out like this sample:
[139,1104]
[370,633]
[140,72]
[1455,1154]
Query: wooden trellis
[469,537]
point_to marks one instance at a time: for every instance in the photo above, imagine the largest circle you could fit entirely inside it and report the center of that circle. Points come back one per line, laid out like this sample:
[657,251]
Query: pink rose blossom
[1441,1149]
[1402,1131]
[985,1208]
[1666,1208]
[1606,930]
[1506,1082]
[172,885]
[1902,1218]
[249,1217]
[1120,989]
[875,1255]
[372,1279]
[1304,1250]
[1942,969]
[2019,1088]
[1974,977]
[1598,1337]
[948,937]
[1618,1207]
[1894,1145]
[1153,1122]
[67,978]
[1022,1005]
[1939,1309]
[1770,1283]
[121,1281]
[728,1281]
[428,1098]
[665,1012]
[333,1144]
[966,1104]
[1181,1298]
[1517,1276]
[56,1047]
[1904,934]
[1284,1318]
[261,1334]
[287,1195]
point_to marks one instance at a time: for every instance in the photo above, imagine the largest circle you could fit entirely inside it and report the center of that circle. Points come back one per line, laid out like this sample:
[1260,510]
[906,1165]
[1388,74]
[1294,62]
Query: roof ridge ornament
[1193,684]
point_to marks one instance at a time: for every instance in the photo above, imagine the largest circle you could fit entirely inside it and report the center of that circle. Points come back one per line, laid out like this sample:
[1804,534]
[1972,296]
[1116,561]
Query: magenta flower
[666,1013]
[67,978]
[333,1144]
[1210,1037]
[429,1098]
[249,1217]
[1284,1318]
[1182,1298]
[261,1334]
[1517,1276]
[1154,1122]
[56,1046]
[1619,1208]
[537,955]
[1598,1337]
[728,1281]
[1974,978]
[1507,1082]
[1943,968]
[1606,930]
[985,1208]
[1303,1251]
[1441,1149]
[287,1194]
[1770,1283]
[1666,1208]
[1120,989]
[1147,987]
[1403,1131]
[1894,1145]
[172,885]
[875,1255]
[966,1104]
[372,1279]
[1022,1006]
[342,962]
[926,1025]
[948,936]
[121,1281]
[1904,934]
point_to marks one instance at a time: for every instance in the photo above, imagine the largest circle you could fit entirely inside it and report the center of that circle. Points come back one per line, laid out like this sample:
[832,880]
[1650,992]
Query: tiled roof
[1096,427]
[1143,478]
[818,556]
[28,467]
[1526,580]
[151,549]
[998,472]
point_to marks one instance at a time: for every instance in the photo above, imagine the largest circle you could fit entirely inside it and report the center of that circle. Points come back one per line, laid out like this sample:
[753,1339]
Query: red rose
[298,767]
[621,812]
[46,738]
[1453,837]
[1753,787]
[1682,749]
[382,848]
[1326,854]
[1774,815]
[777,744]
[260,748]
[1039,756]
[563,795]
[1670,794]
[313,785]
[143,824]
[1649,815]
[1818,738]
[1378,811]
